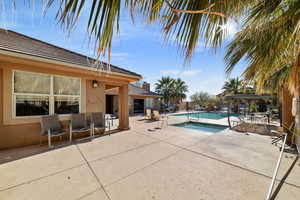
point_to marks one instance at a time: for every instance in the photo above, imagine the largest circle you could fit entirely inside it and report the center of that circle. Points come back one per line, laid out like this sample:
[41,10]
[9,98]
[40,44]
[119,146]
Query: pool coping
[207,123]
[224,131]
[184,113]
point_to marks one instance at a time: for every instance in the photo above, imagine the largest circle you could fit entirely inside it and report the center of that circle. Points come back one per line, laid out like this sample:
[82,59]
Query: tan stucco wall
[95,97]
[26,131]
[13,135]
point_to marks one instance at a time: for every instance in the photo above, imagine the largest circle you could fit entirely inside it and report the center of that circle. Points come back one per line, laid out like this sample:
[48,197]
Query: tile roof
[16,42]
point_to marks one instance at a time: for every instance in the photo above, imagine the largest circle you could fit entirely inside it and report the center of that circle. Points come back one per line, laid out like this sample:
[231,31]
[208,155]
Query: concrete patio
[148,163]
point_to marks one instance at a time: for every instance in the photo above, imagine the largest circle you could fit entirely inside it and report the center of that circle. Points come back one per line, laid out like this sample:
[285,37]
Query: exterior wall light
[95,83]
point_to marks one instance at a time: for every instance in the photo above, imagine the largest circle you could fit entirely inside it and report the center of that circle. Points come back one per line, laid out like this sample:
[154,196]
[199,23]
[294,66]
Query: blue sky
[138,47]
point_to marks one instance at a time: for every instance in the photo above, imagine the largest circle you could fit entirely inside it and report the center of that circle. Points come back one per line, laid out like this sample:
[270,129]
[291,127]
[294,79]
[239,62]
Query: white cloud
[191,72]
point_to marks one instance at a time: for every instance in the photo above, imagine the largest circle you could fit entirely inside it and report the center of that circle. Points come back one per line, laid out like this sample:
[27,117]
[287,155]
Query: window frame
[51,95]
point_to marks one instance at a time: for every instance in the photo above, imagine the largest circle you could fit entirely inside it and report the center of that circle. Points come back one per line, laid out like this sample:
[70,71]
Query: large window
[36,94]
[149,102]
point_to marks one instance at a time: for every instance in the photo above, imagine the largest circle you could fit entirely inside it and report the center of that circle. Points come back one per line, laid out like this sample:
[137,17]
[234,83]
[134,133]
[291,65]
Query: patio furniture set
[253,118]
[79,123]
[156,116]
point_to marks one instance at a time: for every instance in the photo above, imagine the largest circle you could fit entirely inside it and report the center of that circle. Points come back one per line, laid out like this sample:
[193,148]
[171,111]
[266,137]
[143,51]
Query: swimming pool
[207,115]
[211,128]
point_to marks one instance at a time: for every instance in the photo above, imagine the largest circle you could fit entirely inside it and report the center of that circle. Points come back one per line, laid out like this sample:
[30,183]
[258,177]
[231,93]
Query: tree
[164,87]
[232,86]
[172,90]
[200,98]
[179,90]
[215,102]
[203,99]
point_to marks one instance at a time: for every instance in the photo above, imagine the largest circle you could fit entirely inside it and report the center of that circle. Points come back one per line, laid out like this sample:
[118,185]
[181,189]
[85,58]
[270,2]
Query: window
[31,105]
[36,94]
[149,102]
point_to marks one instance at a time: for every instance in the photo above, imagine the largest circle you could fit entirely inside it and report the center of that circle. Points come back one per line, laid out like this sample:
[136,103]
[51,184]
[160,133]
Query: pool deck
[144,162]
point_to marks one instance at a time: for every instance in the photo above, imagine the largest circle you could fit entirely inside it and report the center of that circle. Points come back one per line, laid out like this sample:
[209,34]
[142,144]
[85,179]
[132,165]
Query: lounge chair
[97,121]
[78,124]
[51,127]
[160,118]
[148,113]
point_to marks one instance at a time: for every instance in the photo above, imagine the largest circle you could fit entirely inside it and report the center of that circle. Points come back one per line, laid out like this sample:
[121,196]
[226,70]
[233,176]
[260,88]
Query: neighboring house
[37,78]
[140,98]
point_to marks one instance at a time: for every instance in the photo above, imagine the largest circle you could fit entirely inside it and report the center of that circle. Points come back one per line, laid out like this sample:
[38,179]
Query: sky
[138,47]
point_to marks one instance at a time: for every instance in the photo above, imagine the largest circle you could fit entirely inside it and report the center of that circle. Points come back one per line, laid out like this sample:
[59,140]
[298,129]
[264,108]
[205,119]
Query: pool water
[211,128]
[207,115]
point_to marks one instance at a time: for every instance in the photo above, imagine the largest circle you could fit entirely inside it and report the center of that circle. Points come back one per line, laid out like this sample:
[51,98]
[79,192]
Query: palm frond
[268,43]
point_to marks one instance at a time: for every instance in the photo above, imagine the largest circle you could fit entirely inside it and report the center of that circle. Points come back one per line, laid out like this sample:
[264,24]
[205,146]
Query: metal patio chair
[97,122]
[79,124]
[160,118]
[51,127]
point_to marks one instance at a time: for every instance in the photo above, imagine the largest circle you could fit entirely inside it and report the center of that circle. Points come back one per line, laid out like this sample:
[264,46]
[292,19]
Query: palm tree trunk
[297,117]
[228,115]
[287,117]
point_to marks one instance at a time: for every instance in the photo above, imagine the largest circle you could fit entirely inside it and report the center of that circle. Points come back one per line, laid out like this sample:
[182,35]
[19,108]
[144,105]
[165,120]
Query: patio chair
[78,124]
[97,122]
[160,118]
[280,135]
[51,127]
[148,113]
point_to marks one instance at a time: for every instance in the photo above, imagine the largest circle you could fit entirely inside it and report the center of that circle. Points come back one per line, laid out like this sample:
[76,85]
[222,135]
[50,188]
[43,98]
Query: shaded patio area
[148,163]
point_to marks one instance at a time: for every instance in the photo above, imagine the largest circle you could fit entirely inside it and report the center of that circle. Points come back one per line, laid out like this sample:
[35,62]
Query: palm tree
[232,86]
[164,87]
[172,90]
[269,42]
[179,90]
